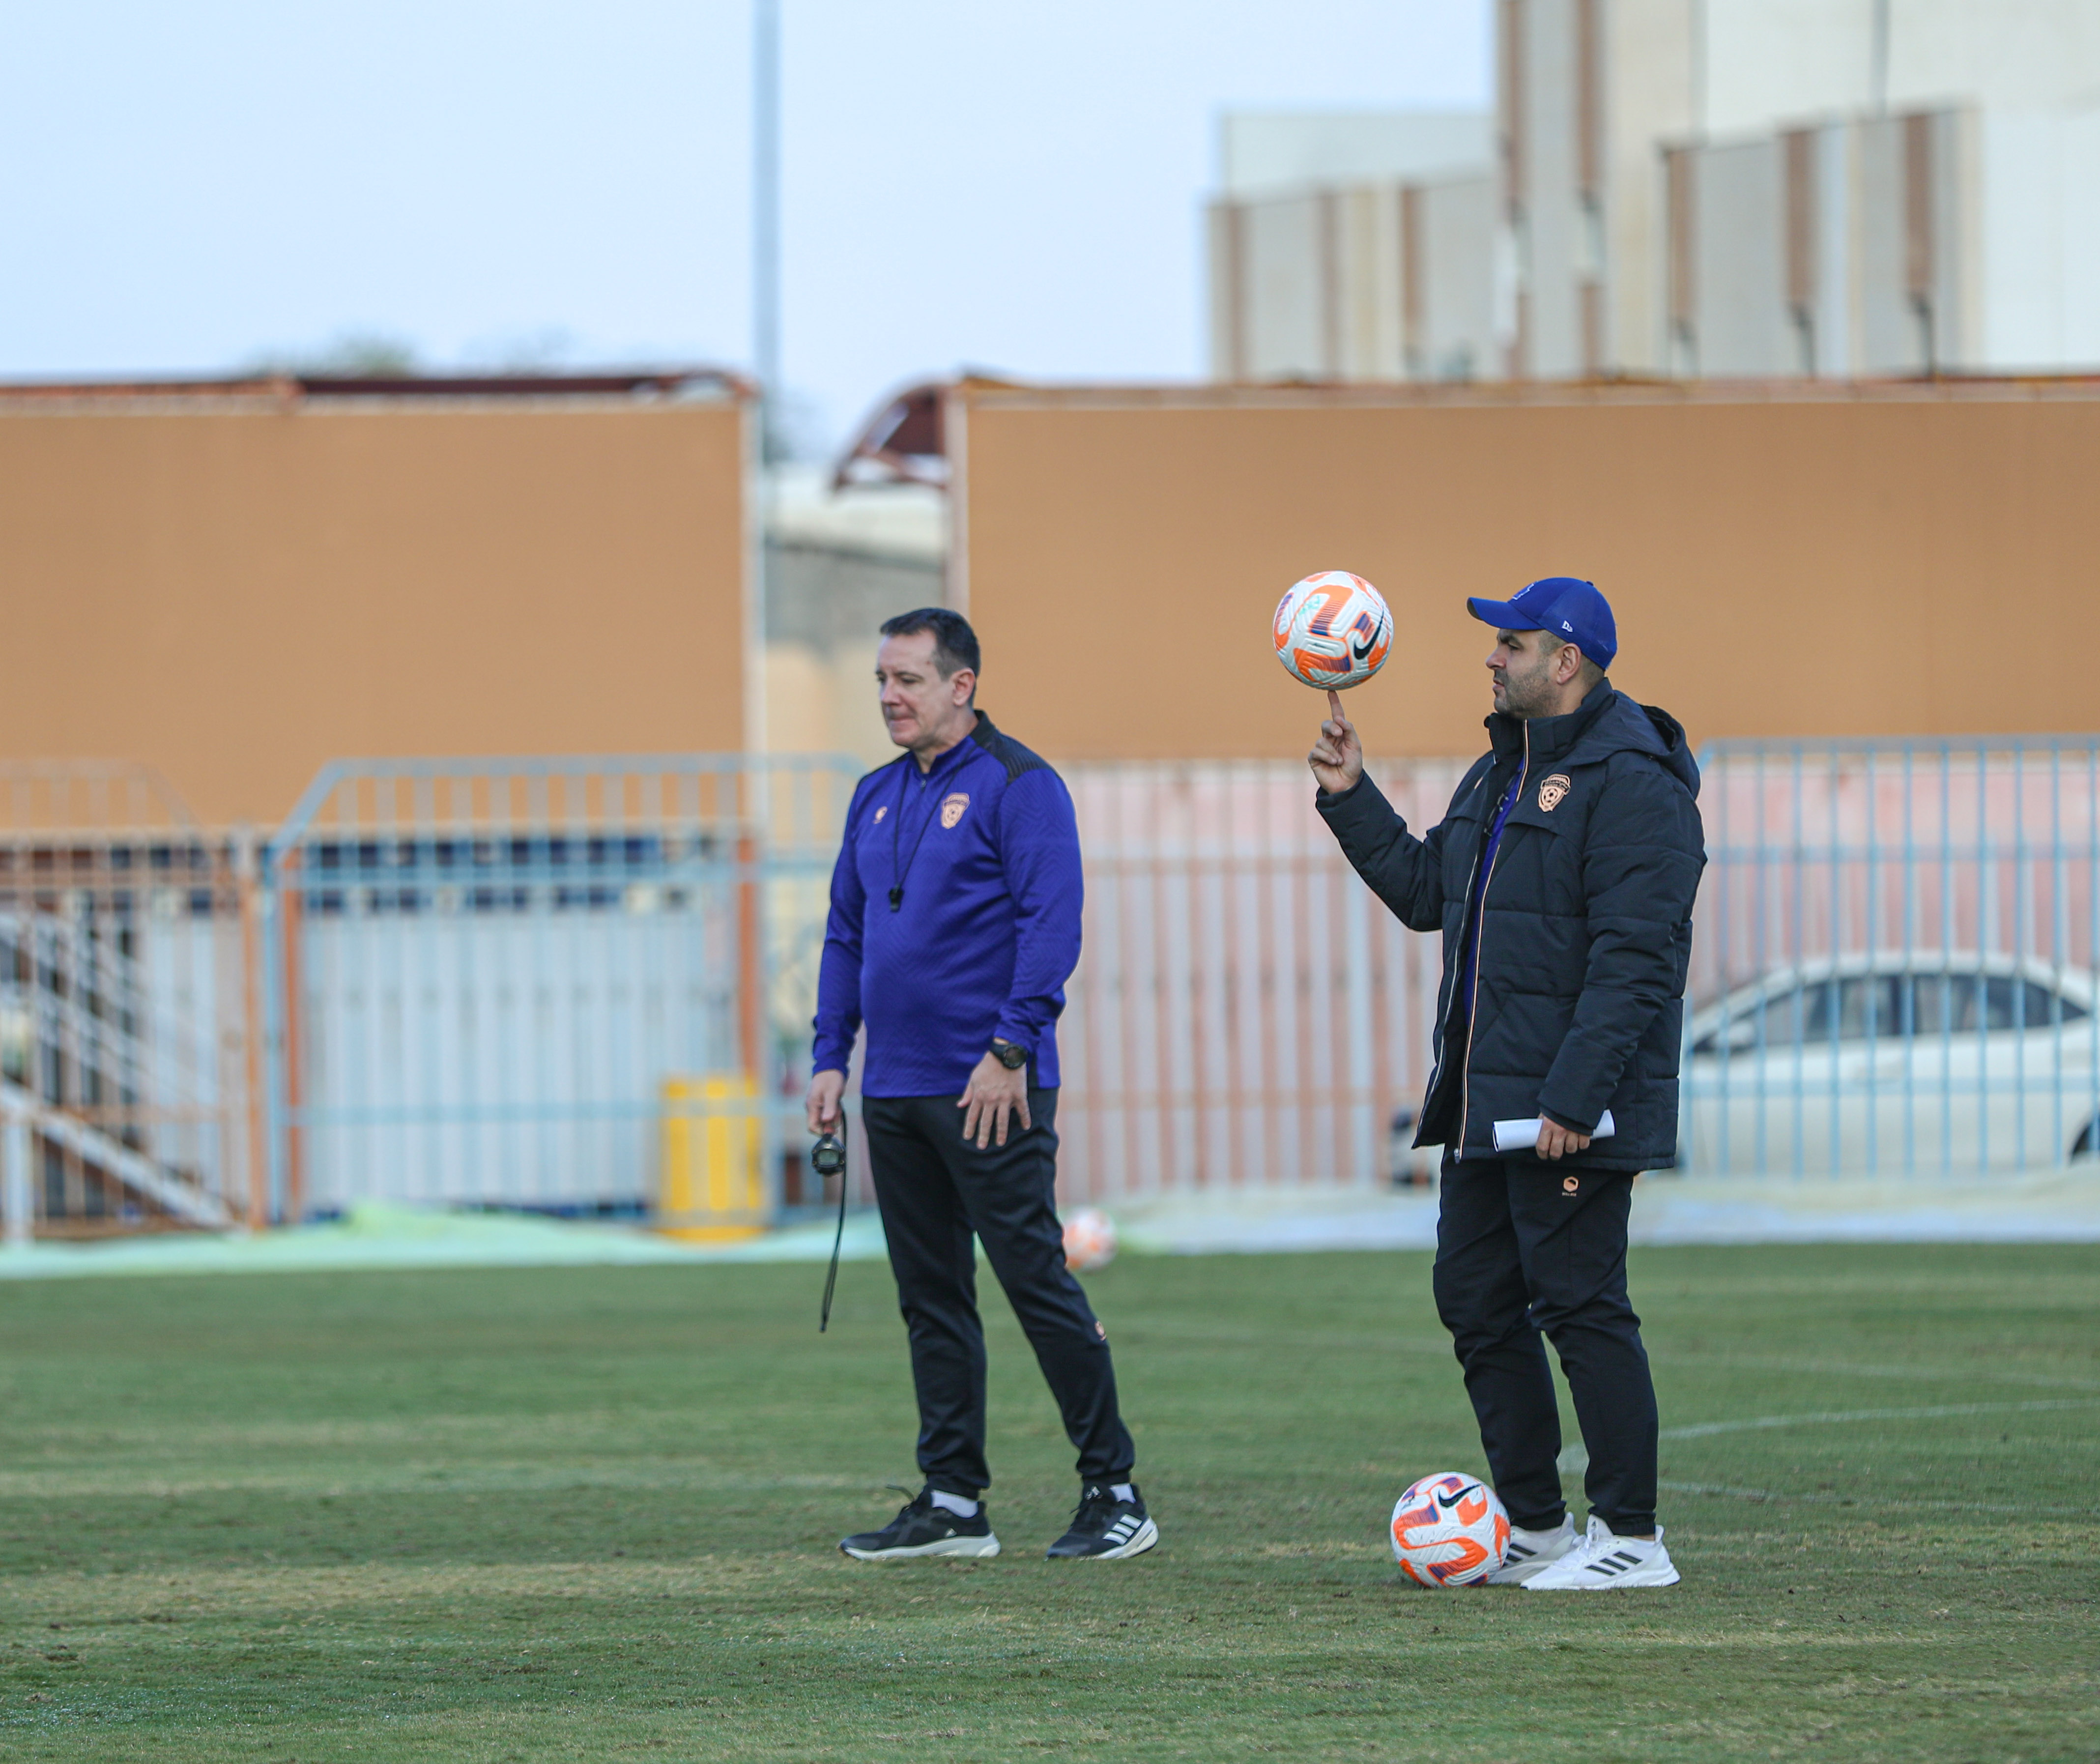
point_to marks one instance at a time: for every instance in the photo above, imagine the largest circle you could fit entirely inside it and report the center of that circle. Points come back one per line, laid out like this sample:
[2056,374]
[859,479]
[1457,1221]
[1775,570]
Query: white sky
[1018,187]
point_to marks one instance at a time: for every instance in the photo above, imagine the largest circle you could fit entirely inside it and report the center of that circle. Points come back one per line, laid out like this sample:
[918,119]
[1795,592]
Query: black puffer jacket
[1585,930]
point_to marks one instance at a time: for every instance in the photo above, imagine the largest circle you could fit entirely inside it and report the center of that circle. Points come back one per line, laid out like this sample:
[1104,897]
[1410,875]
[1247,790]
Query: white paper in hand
[1523,1136]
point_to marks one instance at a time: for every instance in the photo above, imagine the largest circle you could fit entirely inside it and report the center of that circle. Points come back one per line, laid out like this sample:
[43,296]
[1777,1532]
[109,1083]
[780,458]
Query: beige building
[234,583]
[1829,188]
[1354,247]
[1963,239]
[839,559]
[1883,554]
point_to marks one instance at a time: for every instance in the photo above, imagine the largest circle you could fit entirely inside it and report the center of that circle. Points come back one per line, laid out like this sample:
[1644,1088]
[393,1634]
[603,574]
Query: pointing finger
[1335,703]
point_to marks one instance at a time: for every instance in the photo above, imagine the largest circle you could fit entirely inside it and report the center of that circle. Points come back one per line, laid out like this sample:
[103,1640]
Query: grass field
[590,1514]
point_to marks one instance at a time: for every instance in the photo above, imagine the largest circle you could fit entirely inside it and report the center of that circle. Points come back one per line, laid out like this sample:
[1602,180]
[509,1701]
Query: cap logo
[1567,626]
[951,809]
[1554,788]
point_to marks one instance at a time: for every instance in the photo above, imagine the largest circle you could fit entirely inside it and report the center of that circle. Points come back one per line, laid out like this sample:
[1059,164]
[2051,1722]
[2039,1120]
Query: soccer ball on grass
[1450,1530]
[1090,1240]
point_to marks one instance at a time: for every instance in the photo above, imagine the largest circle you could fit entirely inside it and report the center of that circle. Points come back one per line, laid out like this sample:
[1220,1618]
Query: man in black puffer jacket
[1562,879]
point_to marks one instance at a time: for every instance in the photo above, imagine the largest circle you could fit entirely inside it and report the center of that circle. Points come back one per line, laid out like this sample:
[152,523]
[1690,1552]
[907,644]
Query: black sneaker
[1106,1529]
[921,1529]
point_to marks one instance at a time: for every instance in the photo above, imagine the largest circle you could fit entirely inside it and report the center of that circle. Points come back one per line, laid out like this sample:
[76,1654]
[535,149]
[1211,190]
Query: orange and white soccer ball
[1450,1530]
[1333,629]
[1090,1240]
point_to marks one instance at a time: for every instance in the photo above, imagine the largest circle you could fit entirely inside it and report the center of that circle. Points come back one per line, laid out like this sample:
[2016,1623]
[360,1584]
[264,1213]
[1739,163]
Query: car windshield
[1861,1007]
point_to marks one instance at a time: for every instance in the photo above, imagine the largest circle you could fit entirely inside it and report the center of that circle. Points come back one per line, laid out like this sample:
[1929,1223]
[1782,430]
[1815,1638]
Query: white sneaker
[1531,1552]
[1601,1561]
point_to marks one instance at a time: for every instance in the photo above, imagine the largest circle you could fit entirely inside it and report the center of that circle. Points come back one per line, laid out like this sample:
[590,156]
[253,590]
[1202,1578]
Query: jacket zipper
[1436,1071]
[1443,1005]
[1480,938]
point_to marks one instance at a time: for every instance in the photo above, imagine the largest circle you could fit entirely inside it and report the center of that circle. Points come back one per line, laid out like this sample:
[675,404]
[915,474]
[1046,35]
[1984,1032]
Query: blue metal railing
[474,975]
[1897,959]
[477,973]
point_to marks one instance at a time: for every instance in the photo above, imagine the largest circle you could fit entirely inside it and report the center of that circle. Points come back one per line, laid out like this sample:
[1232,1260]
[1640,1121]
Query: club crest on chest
[952,807]
[1551,790]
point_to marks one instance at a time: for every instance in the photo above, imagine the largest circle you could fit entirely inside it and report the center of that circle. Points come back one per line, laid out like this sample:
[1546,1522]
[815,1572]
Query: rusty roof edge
[1626,390]
[294,388]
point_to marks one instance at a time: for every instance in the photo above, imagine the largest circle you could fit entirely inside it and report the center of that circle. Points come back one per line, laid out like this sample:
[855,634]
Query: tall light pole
[766,209]
[765,355]
[1878,62]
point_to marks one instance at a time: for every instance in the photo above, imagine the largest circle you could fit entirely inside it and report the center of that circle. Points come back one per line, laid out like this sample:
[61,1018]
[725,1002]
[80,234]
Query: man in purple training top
[955,924]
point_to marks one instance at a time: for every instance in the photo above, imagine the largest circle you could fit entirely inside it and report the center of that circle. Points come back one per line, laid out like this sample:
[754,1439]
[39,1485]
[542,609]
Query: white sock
[1123,1491]
[960,1505]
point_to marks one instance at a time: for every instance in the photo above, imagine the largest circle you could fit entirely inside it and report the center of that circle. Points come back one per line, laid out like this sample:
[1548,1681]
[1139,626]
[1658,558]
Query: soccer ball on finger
[1090,1240]
[1332,629]
[1450,1530]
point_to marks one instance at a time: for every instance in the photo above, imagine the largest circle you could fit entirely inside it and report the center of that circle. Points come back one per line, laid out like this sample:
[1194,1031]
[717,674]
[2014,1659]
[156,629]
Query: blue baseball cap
[1567,606]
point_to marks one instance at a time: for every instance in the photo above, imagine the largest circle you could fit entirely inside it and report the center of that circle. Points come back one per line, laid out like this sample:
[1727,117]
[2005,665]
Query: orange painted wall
[235,595]
[1891,561]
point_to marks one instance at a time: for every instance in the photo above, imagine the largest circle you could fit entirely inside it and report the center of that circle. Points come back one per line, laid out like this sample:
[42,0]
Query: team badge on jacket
[1552,790]
[951,809]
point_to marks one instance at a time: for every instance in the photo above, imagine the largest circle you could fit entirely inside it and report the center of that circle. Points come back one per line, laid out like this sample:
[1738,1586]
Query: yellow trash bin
[712,1189]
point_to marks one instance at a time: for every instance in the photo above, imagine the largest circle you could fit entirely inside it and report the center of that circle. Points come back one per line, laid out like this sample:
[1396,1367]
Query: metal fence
[1896,971]
[481,975]
[503,982]
[126,1019]
[1246,1015]
[1895,957]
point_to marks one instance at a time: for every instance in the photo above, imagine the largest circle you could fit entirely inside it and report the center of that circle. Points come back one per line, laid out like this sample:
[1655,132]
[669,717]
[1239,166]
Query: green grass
[590,1515]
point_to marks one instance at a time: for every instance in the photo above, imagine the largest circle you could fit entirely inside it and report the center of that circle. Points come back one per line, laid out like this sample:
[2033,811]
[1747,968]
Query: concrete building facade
[1959,239]
[839,559]
[1826,187]
[1353,248]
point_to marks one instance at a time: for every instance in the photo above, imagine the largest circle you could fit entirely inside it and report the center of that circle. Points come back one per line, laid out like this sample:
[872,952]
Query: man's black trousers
[1525,1248]
[935,1189]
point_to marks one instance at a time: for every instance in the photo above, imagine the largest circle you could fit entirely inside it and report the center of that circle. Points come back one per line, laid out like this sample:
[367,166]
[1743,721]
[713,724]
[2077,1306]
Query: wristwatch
[1011,1055]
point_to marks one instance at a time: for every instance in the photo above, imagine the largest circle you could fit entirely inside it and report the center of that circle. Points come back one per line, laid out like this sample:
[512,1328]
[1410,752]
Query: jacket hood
[1676,748]
[1606,722]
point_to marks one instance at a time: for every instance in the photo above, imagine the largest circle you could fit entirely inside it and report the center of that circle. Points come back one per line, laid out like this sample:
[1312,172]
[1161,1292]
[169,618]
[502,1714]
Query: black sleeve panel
[1405,872]
[1641,865]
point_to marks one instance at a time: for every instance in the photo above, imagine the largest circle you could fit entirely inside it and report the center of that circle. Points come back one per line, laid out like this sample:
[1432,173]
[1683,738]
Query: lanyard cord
[896,831]
[838,1238]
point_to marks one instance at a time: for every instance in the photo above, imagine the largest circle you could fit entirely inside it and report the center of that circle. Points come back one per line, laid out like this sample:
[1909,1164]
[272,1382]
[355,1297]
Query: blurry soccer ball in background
[1450,1530]
[1090,1240]
[1333,629]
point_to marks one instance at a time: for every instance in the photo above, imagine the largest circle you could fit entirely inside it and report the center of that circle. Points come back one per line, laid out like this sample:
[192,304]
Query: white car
[1893,1064]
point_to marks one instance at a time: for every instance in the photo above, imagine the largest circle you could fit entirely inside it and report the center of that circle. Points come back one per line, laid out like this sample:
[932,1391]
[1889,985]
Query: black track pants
[935,1189]
[1520,1251]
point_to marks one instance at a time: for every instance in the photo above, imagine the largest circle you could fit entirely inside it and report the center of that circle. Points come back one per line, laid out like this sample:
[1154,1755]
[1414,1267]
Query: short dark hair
[954,643]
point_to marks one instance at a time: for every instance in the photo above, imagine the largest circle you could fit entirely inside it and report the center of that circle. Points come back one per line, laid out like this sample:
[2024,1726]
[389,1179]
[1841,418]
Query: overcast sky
[187,185]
